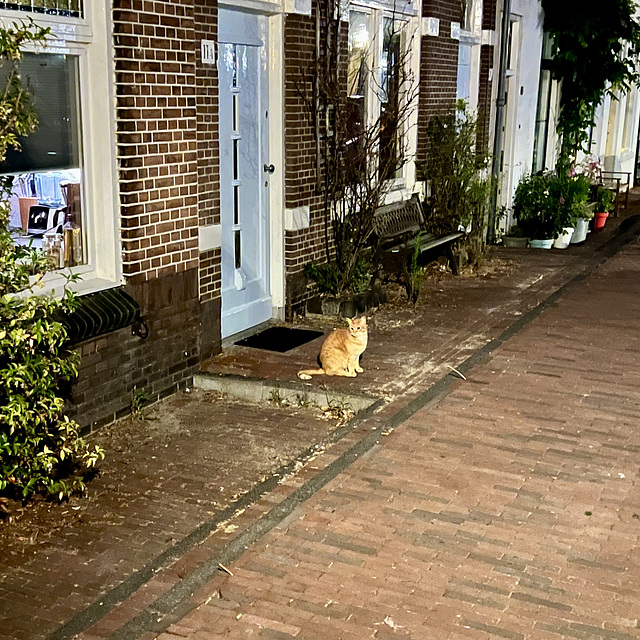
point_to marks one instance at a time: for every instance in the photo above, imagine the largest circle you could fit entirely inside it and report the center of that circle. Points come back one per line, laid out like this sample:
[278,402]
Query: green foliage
[605,201]
[546,203]
[139,400]
[330,279]
[593,48]
[416,270]
[39,446]
[17,117]
[456,173]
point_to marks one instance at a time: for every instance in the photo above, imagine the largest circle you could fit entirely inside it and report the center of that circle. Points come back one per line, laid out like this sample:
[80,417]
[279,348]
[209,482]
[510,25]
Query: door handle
[269,168]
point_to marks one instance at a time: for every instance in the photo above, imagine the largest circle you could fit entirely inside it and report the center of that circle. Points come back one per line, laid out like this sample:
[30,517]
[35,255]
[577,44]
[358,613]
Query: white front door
[244,174]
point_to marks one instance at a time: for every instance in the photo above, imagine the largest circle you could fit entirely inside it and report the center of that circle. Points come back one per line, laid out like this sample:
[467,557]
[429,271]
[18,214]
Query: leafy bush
[328,276]
[40,449]
[455,171]
[546,203]
[605,201]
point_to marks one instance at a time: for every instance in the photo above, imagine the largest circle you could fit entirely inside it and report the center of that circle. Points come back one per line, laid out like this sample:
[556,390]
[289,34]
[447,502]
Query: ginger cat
[341,351]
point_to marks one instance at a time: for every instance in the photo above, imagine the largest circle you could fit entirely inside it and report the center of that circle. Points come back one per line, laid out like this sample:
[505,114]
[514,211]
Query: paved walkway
[510,509]
[323,541]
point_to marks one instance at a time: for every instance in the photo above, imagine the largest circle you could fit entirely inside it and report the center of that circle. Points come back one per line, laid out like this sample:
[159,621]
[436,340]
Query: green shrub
[40,449]
[605,201]
[327,276]
[455,171]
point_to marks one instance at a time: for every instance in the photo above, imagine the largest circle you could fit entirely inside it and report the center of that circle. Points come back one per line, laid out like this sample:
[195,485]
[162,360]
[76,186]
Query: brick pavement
[508,509]
[77,571]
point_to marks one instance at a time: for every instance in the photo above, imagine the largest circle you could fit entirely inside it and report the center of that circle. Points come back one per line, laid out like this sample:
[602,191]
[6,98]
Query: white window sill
[55,284]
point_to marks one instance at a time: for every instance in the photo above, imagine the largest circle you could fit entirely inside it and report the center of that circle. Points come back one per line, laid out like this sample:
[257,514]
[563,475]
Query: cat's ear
[349,321]
[363,320]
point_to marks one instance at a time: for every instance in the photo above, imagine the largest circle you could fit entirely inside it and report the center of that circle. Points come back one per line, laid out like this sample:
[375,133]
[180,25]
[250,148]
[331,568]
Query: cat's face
[357,326]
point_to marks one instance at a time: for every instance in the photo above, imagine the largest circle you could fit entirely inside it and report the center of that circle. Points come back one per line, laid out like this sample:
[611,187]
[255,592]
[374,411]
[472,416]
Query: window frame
[377,12]
[89,38]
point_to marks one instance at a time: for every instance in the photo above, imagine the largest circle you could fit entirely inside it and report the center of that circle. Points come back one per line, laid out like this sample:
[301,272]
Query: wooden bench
[396,233]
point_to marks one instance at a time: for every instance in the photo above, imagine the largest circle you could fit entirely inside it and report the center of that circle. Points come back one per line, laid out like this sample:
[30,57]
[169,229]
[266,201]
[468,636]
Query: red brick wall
[168,182]
[485,85]
[438,67]
[156,136]
[484,97]
[300,157]
[206,28]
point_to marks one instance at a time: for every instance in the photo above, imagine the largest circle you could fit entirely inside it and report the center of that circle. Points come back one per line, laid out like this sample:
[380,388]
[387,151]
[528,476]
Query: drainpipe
[501,103]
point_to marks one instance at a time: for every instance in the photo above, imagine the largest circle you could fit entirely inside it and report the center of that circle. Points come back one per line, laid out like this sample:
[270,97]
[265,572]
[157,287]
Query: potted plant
[570,191]
[604,205]
[536,210]
[516,238]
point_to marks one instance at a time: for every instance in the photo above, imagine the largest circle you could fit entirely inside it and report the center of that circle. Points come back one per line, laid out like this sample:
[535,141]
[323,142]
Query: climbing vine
[594,52]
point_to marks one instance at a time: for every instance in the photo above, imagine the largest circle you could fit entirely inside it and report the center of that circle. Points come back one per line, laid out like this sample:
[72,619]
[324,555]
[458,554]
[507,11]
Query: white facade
[614,137]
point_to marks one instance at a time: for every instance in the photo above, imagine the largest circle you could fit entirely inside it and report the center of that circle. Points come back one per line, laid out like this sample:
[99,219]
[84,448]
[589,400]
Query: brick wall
[208,137]
[114,364]
[438,68]
[485,84]
[156,136]
[168,180]
[300,158]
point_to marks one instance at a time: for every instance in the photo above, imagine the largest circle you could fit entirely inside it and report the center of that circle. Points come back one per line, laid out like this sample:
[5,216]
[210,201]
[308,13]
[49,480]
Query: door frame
[274,15]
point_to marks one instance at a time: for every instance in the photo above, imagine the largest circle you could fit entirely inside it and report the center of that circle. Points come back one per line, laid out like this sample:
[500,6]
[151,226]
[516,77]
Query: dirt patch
[227,443]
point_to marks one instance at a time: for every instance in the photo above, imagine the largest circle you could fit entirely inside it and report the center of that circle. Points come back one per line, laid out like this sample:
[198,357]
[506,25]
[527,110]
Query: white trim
[488,37]
[301,7]
[297,219]
[209,237]
[259,6]
[430,26]
[276,157]
[100,217]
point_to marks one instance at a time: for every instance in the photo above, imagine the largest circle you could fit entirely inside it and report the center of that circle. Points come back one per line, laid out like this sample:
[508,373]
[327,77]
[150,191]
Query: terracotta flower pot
[599,220]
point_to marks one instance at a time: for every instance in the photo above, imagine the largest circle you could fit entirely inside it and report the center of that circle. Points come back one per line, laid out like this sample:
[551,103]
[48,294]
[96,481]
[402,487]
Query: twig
[225,568]
[456,371]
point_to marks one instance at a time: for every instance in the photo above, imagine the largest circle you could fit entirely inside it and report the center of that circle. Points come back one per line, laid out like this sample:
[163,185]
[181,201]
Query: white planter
[581,230]
[563,240]
[541,244]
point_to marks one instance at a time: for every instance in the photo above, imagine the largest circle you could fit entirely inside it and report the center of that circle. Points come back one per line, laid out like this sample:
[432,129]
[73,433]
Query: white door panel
[246,299]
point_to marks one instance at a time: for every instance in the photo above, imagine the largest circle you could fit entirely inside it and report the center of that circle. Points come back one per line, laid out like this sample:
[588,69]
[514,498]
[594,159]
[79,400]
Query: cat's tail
[306,374]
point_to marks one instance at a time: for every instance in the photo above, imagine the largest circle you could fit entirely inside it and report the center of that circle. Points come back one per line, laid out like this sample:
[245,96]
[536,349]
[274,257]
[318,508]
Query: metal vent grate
[102,312]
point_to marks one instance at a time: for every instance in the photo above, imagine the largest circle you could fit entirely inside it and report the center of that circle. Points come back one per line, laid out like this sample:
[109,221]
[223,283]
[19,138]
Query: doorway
[244,170]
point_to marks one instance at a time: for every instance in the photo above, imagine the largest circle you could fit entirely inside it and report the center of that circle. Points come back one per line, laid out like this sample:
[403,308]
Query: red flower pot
[599,220]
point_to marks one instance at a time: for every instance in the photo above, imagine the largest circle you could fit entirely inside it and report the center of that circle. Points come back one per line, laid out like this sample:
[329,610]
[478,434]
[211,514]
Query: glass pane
[69,8]
[236,159]
[357,85]
[389,99]
[542,121]
[53,82]
[236,204]
[46,173]
[235,112]
[238,255]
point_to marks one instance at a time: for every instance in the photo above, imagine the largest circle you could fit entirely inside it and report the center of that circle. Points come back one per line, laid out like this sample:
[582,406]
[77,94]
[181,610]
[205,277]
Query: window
[543,111]
[68,8]
[63,197]
[374,79]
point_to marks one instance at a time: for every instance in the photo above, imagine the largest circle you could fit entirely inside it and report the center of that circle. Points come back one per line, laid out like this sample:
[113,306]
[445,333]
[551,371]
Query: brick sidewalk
[151,523]
[510,509]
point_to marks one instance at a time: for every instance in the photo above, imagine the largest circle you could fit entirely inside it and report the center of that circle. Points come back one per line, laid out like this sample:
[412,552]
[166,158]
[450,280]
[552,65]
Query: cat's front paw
[359,369]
